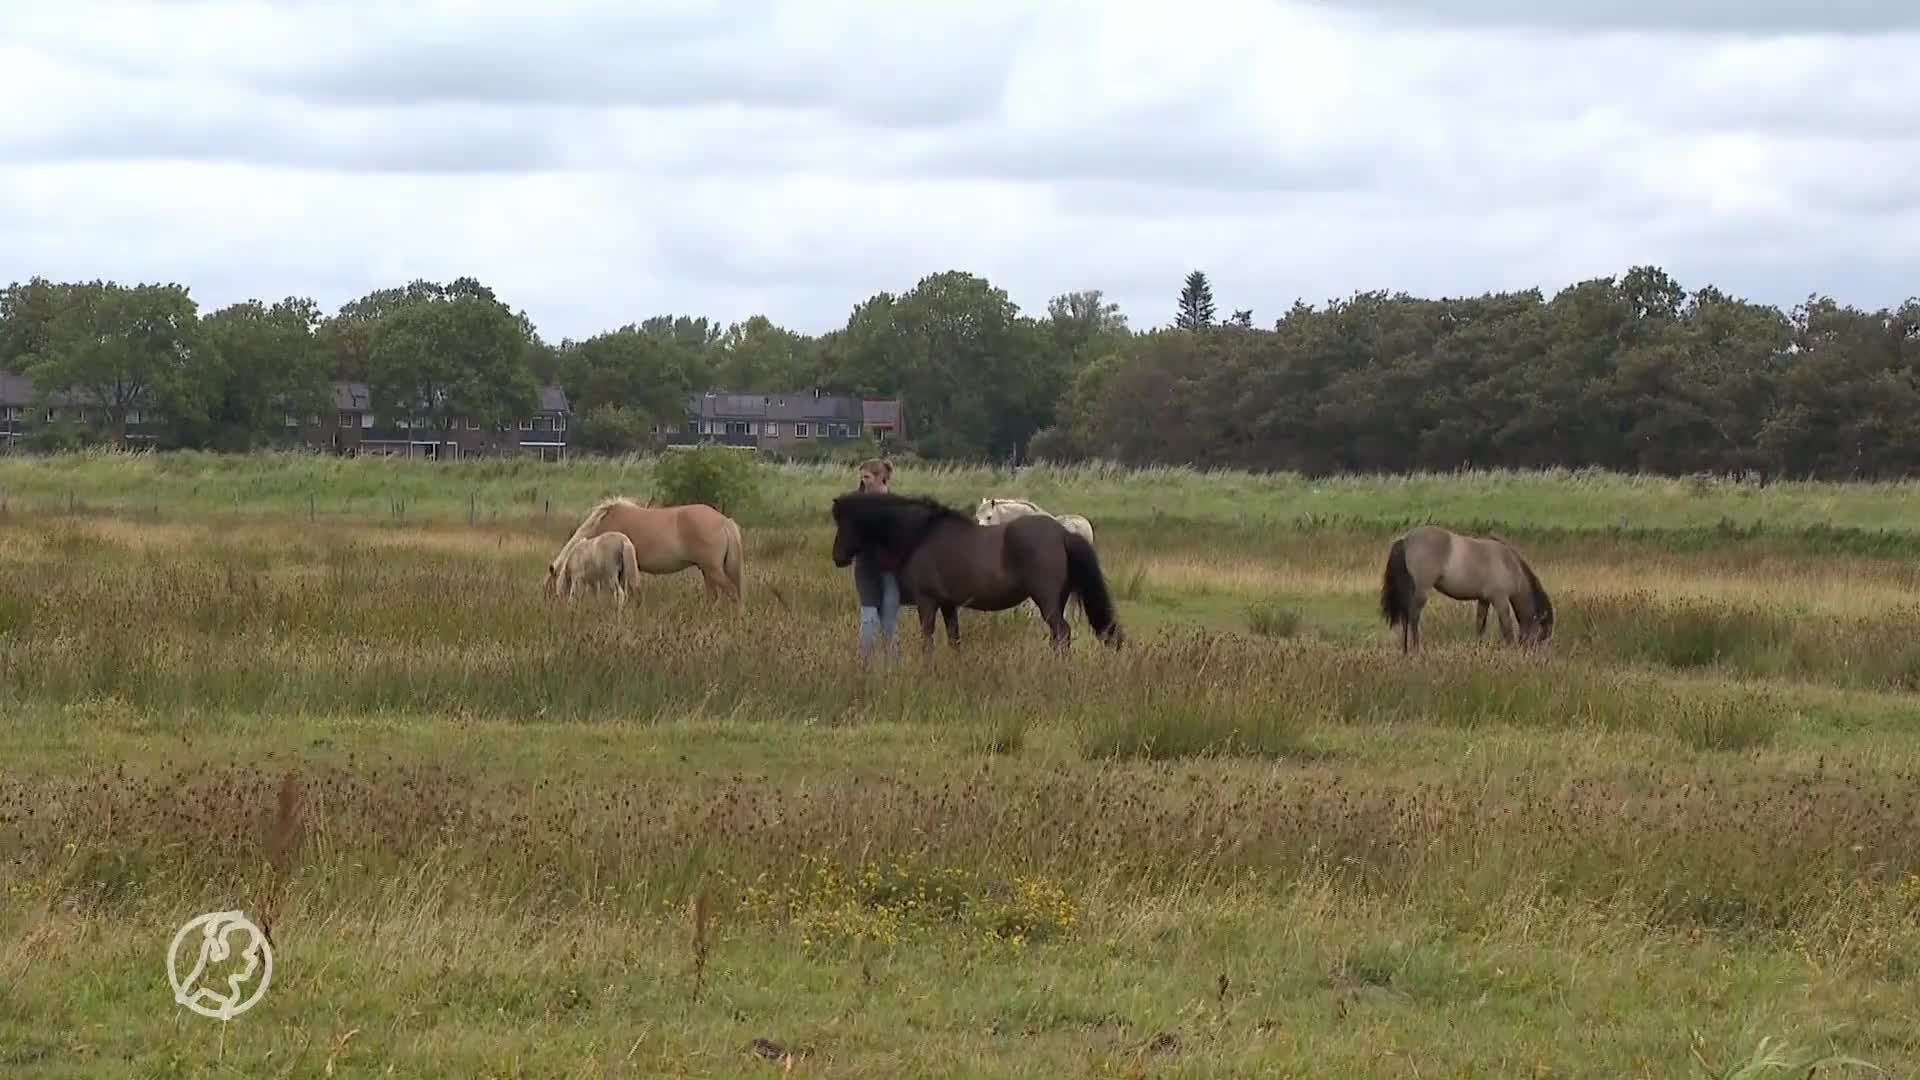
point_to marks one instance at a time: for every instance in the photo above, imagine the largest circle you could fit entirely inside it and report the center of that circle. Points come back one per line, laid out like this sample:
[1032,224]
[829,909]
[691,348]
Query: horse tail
[1542,603]
[1396,586]
[1085,579]
[731,560]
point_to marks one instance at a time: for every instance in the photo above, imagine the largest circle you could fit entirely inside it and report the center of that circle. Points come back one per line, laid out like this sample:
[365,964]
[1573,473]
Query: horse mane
[1542,603]
[871,511]
[592,521]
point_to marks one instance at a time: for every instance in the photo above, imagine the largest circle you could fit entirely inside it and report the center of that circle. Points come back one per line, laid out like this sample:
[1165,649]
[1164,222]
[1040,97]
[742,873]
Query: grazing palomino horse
[946,561]
[607,559]
[667,540]
[999,511]
[1487,571]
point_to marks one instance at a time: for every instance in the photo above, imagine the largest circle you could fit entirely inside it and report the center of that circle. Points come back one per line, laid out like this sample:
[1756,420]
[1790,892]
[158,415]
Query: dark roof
[353,396]
[789,406]
[18,390]
[882,412]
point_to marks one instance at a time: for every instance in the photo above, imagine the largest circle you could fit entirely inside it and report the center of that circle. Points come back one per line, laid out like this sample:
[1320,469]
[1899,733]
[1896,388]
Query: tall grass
[440,756]
[1695,513]
[314,621]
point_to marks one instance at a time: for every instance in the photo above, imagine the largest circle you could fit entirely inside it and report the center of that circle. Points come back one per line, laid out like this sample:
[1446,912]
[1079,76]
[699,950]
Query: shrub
[1273,620]
[1054,444]
[726,479]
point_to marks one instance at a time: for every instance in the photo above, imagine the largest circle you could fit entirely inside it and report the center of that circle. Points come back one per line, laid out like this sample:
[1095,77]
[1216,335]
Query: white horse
[999,511]
[607,559]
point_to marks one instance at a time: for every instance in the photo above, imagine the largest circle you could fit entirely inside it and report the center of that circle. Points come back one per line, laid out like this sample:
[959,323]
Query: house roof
[789,406]
[882,412]
[18,390]
[354,397]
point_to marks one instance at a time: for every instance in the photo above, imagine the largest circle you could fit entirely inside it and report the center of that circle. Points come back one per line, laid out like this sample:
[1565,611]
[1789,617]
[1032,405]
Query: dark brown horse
[946,562]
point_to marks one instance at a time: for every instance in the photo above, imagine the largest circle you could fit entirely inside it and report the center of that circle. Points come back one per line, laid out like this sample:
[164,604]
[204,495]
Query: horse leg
[928,613]
[1412,642]
[1481,607]
[1509,626]
[952,615]
[1053,612]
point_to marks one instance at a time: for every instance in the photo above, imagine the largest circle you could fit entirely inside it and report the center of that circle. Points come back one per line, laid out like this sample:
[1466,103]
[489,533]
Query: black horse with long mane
[946,562]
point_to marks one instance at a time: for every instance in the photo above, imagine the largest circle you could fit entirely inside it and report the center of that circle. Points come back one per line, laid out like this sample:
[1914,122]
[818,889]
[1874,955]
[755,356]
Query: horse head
[886,525]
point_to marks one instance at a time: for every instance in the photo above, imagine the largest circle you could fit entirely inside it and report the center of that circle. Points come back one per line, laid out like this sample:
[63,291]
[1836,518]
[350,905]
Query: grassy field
[496,837]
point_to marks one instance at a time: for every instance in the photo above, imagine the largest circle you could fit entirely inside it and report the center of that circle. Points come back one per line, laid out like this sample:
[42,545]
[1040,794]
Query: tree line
[1631,373]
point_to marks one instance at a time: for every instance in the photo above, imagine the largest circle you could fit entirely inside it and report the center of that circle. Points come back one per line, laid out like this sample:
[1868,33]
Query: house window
[559,423]
[346,419]
[800,431]
[292,420]
[133,416]
[366,420]
[473,423]
[526,425]
[773,430]
[738,427]
[673,429]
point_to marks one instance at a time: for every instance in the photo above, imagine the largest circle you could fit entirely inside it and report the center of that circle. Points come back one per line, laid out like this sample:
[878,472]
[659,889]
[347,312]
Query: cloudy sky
[601,162]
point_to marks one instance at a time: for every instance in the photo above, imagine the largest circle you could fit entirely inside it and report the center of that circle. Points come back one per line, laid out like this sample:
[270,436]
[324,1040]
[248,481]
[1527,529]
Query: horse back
[976,566]
[675,536]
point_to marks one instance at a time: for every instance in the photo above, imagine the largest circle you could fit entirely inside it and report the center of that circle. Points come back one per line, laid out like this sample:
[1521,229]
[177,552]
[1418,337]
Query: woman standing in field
[877,587]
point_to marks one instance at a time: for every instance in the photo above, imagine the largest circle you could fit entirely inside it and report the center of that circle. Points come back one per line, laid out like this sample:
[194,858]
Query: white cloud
[598,164]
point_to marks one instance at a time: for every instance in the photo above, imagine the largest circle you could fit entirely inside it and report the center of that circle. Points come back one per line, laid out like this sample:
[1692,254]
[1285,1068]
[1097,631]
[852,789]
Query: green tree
[629,367]
[1196,303]
[265,362]
[758,355]
[611,429]
[120,349]
[460,354]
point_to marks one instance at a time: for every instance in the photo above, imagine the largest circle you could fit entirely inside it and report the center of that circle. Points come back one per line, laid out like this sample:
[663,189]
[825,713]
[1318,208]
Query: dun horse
[667,540]
[946,561]
[607,559]
[1487,571]
[997,511]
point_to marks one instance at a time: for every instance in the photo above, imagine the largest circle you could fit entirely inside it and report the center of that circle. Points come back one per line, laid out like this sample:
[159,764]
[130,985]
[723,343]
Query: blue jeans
[879,603]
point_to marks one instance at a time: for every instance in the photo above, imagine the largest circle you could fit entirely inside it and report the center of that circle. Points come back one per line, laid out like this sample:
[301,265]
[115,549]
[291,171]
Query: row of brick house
[351,428]
[355,429]
[784,422]
[778,422]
